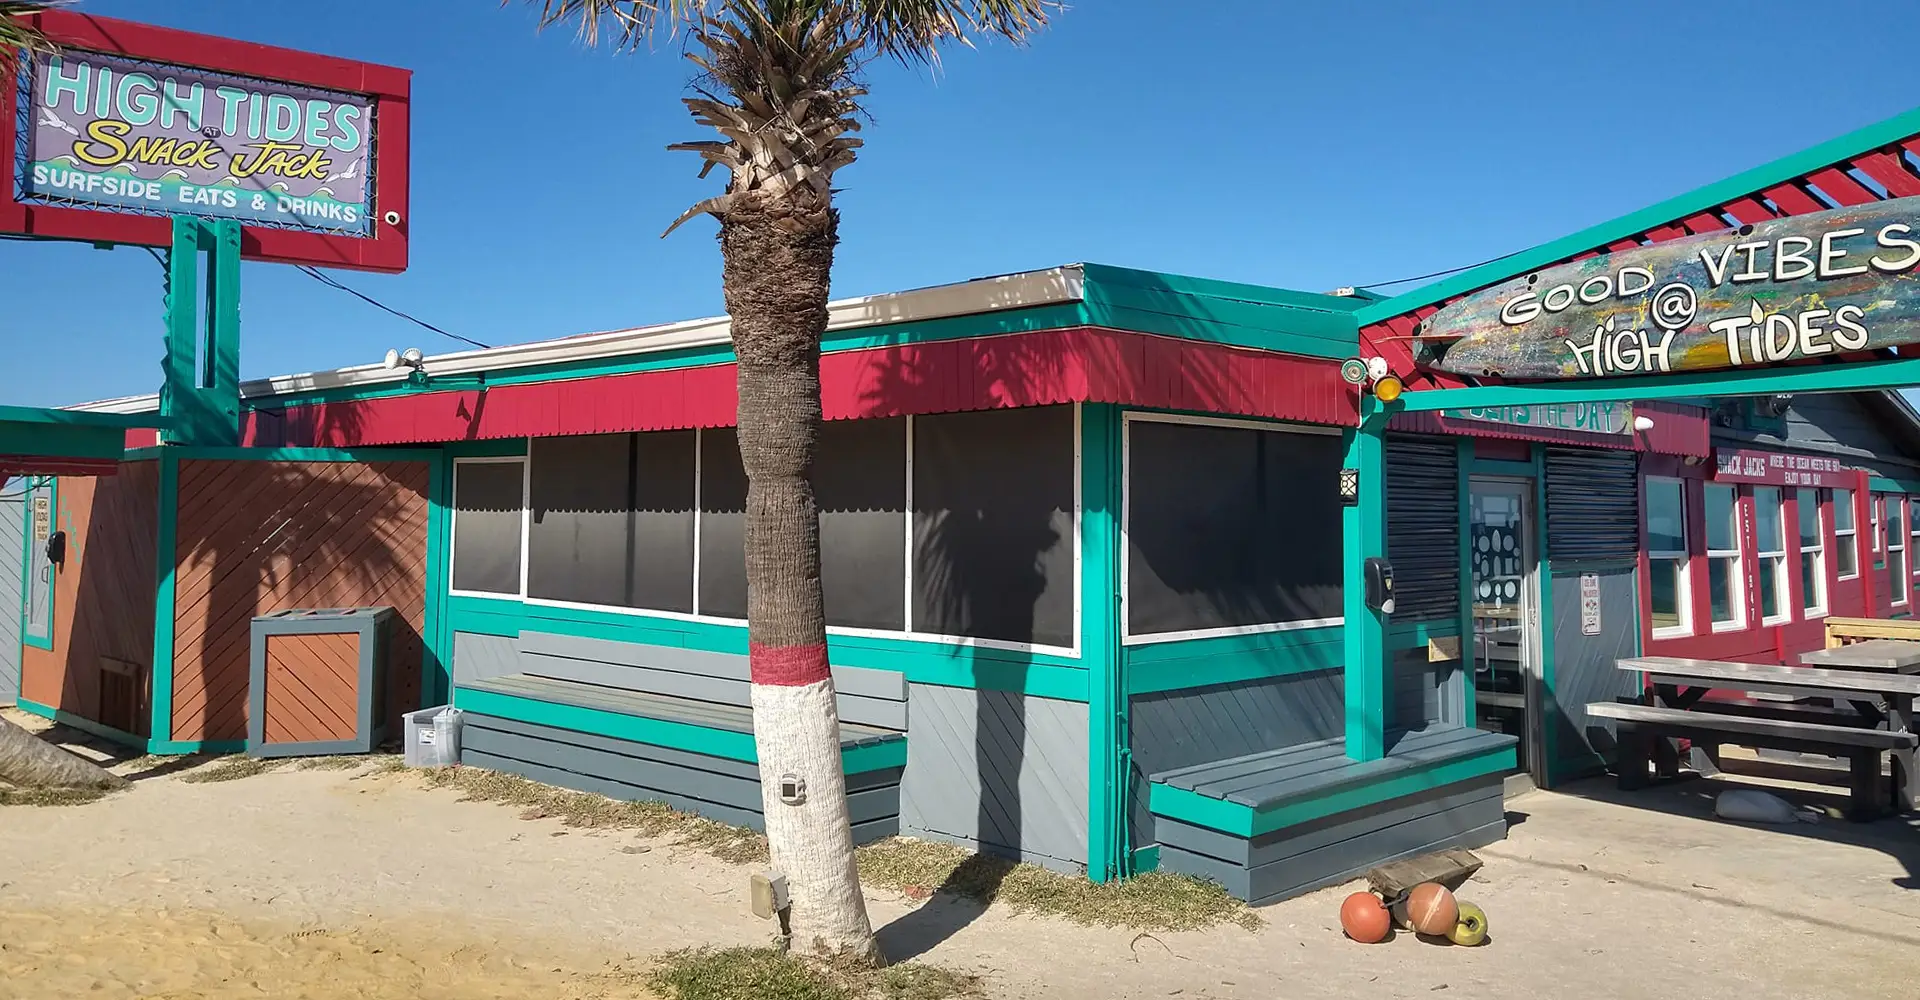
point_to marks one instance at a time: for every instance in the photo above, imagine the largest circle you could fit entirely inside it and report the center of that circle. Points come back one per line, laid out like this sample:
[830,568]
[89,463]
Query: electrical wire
[316,274]
[1442,274]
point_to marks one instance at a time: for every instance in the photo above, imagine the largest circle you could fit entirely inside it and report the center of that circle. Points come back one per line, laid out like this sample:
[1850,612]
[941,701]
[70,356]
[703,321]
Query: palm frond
[626,23]
[912,31]
[16,35]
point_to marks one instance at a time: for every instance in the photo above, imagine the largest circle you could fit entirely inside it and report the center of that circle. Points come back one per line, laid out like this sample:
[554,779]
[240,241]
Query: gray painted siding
[1418,689]
[479,657]
[1344,846]
[13,530]
[1583,667]
[1176,729]
[720,789]
[997,772]
[1838,423]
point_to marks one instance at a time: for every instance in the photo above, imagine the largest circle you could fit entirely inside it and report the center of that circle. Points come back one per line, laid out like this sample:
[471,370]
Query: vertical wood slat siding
[313,687]
[259,537]
[102,599]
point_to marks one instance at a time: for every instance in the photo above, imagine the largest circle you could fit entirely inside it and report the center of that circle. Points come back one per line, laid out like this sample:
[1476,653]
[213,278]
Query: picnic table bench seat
[1279,823]
[696,756]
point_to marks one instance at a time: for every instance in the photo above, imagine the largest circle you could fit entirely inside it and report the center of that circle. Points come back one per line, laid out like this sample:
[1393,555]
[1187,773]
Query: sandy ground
[337,886]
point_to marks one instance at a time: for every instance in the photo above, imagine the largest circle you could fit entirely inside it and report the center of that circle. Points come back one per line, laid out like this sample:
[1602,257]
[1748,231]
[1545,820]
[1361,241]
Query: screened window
[1770,532]
[1230,527]
[489,514]
[1726,589]
[1897,580]
[1846,539]
[611,520]
[993,525]
[1667,554]
[860,487]
[1813,553]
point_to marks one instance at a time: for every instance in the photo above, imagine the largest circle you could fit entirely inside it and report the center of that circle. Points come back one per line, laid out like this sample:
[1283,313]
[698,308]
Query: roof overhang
[48,442]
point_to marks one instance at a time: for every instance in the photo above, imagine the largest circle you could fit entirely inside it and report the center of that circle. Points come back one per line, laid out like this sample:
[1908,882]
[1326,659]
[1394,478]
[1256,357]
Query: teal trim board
[1247,821]
[1104,664]
[1857,376]
[1699,200]
[1543,597]
[1469,690]
[1145,859]
[51,484]
[1042,675]
[1496,467]
[1364,523]
[169,521]
[371,454]
[436,665]
[176,748]
[87,726]
[659,732]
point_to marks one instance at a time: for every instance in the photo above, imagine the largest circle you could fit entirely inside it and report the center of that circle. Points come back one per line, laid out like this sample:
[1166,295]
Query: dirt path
[338,886]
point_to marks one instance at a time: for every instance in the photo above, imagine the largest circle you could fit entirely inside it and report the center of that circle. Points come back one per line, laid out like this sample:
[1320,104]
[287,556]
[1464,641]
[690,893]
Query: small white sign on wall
[1589,604]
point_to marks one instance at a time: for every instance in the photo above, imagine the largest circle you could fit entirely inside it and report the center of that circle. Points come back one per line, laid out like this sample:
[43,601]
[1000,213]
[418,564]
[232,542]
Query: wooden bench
[1845,631]
[1639,726]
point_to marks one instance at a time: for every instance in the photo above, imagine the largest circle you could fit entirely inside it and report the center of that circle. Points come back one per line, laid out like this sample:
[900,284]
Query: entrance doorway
[1506,616]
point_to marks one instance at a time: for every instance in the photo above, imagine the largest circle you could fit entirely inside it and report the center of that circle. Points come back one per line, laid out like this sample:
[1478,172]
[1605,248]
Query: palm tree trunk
[30,762]
[777,258]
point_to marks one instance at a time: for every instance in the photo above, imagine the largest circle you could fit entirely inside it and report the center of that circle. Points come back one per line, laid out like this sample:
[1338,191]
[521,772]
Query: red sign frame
[390,88]
[1776,468]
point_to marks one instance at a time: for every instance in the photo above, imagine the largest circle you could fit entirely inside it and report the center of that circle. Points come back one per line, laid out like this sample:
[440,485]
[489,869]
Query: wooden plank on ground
[1451,868]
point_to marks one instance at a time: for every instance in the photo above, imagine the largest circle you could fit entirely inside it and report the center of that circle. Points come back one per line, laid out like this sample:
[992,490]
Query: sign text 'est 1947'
[1800,287]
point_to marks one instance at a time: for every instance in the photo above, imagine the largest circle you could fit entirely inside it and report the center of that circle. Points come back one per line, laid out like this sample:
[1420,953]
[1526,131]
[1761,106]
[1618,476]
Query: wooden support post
[1869,795]
[1365,526]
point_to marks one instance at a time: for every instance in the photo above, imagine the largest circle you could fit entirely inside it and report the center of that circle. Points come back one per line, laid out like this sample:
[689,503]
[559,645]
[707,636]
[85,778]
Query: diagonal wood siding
[313,687]
[259,537]
[102,658]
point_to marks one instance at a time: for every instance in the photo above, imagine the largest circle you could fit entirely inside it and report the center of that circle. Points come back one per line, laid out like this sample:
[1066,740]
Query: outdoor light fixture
[1641,425]
[1388,389]
[409,358]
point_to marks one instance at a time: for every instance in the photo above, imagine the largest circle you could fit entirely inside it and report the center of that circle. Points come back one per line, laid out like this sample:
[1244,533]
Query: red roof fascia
[1677,430]
[44,465]
[1082,364]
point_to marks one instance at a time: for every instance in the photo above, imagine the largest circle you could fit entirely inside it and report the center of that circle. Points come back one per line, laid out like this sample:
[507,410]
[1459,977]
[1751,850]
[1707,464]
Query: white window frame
[1809,608]
[1128,419]
[453,523]
[1849,536]
[1782,583]
[1683,584]
[1874,503]
[908,634]
[1897,516]
[1737,579]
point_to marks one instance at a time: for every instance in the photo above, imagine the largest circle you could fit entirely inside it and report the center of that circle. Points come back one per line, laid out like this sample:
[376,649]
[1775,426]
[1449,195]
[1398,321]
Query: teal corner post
[1109,763]
[160,732]
[200,391]
[1469,682]
[1364,523]
[436,681]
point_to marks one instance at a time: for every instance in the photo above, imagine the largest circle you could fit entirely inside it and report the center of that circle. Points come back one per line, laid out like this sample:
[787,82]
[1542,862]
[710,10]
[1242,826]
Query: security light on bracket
[409,358]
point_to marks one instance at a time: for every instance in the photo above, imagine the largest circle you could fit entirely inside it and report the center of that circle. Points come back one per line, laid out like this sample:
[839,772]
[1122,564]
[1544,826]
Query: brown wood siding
[259,537]
[101,663]
[313,688]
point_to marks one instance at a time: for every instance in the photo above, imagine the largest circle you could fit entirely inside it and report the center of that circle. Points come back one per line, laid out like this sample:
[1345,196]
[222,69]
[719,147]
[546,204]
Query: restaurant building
[1090,542]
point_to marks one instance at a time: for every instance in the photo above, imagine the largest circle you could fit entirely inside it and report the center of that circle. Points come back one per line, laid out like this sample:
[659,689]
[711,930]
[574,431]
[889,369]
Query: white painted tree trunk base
[797,732]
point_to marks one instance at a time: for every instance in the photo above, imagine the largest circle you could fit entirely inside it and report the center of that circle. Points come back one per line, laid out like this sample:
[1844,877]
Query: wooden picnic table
[1900,656]
[1880,695]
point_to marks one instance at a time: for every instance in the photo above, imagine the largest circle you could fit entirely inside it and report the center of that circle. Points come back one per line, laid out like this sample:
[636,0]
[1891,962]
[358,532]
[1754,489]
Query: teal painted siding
[1188,663]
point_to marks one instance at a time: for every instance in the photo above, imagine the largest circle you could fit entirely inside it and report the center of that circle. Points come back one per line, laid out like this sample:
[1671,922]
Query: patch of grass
[230,768]
[585,810]
[773,974]
[50,796]
[1156,901]
[345,763]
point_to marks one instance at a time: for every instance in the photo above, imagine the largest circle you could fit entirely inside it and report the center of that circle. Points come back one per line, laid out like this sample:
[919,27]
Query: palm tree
[16,34]
[780,83]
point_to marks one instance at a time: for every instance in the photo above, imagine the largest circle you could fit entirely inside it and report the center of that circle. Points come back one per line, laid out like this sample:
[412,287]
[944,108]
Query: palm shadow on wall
[983,564]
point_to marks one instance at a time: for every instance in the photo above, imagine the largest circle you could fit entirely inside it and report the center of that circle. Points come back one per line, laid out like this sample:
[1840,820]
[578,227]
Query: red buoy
[1365,918]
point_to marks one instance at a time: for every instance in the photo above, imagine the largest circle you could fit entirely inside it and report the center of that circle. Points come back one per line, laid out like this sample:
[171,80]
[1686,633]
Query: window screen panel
[723,525]
[662,554]
[487,501]
[1230,526]
[860,483]
[993,525]
[580,526]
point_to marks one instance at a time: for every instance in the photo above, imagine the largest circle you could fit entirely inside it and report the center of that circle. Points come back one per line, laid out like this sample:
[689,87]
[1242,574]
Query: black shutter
[1423,527]
[1593,504]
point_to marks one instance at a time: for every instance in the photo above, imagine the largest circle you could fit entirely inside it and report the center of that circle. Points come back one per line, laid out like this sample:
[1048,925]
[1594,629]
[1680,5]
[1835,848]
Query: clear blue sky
[1300,145]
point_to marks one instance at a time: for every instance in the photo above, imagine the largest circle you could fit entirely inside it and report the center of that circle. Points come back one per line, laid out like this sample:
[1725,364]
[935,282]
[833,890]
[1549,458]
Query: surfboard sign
[1806,286]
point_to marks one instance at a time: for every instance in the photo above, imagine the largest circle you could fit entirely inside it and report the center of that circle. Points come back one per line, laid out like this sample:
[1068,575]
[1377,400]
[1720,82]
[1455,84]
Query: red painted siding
[1086,364]
[1677,430]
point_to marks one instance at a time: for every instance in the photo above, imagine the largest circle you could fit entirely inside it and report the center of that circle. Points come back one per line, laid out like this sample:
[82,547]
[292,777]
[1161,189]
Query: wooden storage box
[318,683]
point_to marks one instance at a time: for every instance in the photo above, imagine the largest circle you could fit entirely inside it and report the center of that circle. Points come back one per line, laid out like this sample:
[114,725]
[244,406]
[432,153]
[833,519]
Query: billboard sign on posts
[113,133]
[127,125]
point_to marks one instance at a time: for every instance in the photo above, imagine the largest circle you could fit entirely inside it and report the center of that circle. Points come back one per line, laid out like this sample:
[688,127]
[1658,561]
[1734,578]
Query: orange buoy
[1431,909]
[1364,918]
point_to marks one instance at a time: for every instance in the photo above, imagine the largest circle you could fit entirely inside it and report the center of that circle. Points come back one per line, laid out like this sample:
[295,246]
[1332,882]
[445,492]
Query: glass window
[1770,533]
[1230,527]
[993,522]
[1846,540]
[1667,554]
[488,521]
[1897,580]
[1726,592]
[611,520]
[1813,552]
[1876,505]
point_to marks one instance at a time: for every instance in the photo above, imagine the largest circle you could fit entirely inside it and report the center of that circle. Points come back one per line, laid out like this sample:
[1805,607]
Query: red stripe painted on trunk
[1083,365]
[787,666]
